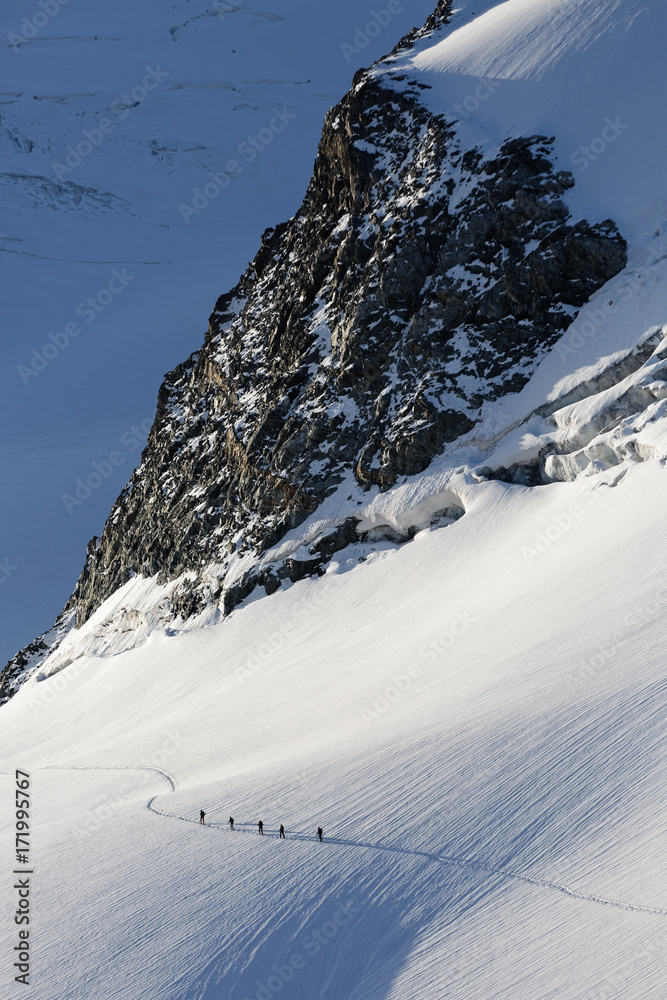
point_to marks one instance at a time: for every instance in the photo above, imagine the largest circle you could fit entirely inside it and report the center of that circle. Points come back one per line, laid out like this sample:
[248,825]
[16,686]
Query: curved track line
[442,860]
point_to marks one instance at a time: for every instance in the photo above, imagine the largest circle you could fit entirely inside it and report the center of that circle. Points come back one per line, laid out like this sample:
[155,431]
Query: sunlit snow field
[459,714]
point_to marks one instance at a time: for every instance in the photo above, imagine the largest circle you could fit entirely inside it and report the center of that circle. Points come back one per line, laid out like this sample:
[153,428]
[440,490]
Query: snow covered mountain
[391,564]
[420,279]
[181,90]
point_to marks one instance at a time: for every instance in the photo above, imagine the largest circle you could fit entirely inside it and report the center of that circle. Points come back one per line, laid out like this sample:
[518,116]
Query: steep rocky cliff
[419,279]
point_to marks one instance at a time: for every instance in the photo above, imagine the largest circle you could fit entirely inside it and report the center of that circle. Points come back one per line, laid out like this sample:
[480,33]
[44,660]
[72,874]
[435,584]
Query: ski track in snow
[444,860]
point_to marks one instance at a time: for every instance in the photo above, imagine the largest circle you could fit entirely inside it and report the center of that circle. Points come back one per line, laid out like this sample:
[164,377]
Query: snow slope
[475,717]
[478,729]
[585,71]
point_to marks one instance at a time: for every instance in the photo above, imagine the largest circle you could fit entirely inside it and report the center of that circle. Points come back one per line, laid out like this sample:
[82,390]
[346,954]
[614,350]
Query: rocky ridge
[418,280]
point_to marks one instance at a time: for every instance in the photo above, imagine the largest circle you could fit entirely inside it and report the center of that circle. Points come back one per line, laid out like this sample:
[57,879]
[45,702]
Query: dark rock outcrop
[417,280]
[15,670]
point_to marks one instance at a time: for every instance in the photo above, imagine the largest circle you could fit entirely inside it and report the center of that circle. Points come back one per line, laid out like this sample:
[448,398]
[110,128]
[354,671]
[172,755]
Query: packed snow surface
[475,718]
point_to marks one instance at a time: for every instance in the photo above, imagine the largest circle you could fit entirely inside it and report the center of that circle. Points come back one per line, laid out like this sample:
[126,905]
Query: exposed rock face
[16,669]
[416,281]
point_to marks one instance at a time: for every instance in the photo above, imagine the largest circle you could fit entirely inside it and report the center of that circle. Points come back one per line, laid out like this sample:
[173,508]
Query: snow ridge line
[443,860]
